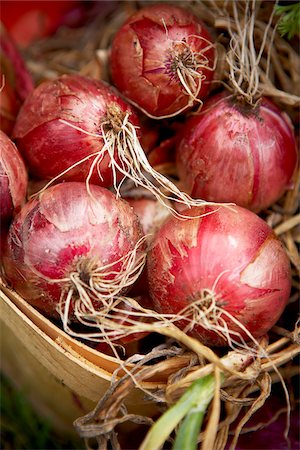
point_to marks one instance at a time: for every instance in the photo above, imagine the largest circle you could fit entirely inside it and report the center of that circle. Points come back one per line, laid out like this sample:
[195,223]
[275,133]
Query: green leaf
[195,399]
[187,435]
[289,22]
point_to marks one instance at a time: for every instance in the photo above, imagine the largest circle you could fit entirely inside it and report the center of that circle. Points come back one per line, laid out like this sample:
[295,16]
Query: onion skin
[16,80]
[50,146]
[164,153]
[13,179]
[231,154]
[233,244]
[150,211]
[62,227]
[142,60]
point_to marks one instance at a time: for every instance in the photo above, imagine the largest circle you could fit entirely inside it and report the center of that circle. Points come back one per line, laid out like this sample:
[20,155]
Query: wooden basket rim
[100,364]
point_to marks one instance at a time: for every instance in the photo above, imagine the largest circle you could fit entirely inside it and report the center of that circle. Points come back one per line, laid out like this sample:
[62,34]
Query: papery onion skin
[50,146]
[61,228]
[16,81]
[13,179]
[232,252]
[142,57]
[150,211]
[233,153]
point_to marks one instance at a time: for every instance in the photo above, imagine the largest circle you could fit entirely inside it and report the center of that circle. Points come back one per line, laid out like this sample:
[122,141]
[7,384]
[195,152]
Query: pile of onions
[162,60]
[235,152]
[226,273]
[77,251]
[79,129]
[13,179]
[111,270]
[16,82]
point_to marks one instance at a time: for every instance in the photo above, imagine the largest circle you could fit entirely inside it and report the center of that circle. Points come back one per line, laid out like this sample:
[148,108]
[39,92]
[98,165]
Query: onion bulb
[13,179]
[71,252]
[225,276]
[162,60]
[78,129]
[16,81]
[234,152]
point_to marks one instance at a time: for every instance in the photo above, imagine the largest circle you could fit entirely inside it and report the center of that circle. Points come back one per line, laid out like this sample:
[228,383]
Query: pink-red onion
[60,125]
[164,153]
[162,59]
[225,270]
[29,21]
[69,244]
[234,152]
[16,82]
[13,179]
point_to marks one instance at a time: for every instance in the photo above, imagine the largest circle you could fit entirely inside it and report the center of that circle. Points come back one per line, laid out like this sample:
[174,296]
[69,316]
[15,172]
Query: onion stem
[187,435]
[191,407]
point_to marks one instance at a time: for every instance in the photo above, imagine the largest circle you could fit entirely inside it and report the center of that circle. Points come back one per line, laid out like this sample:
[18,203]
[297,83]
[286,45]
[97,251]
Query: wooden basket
[62,378]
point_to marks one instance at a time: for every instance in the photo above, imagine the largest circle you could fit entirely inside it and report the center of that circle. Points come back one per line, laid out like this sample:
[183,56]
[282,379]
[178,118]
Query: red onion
[164,153]
[162,60]
[16,82]
[28,21]
[60,125]
[226,271]
[79,129]
[234,152]
[72,252]
[13,179]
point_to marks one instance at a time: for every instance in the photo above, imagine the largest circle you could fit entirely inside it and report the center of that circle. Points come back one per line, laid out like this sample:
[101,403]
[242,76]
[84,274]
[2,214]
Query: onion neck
[180,58]
[244,106]
[114,118]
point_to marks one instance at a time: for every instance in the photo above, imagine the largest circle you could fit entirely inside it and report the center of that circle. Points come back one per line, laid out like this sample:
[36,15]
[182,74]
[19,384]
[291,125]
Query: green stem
[197,396]
[187,435]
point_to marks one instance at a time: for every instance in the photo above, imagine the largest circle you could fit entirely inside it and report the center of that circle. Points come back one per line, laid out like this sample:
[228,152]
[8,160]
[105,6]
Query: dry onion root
[273,60]
[243,59]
